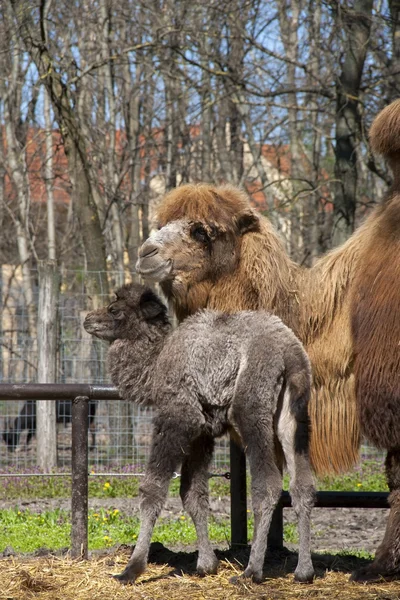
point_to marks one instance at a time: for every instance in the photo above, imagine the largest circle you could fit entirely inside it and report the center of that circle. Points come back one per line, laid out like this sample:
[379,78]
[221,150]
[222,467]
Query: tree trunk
[357,26]
[49,175]
[47,364]
[34,37]
[394,79]
[117,246]
[289,13]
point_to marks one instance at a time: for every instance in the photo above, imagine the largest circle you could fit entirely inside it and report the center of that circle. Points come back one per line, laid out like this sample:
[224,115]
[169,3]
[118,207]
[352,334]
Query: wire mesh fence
[119,432]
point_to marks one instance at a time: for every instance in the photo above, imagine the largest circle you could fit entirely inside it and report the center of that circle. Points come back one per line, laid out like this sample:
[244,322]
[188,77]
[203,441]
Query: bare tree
[356,27]
[35,38]
[16,132]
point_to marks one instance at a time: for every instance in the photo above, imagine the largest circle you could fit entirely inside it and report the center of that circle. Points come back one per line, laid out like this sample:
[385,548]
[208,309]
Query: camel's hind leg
[386,564]
[194,494]
[292,431]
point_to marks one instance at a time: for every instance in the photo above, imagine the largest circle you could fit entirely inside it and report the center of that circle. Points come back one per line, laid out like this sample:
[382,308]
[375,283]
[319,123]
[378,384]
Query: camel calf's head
[199,236]
[134,309]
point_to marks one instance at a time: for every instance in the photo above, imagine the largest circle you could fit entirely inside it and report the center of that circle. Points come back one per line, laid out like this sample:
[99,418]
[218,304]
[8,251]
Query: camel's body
[214,251]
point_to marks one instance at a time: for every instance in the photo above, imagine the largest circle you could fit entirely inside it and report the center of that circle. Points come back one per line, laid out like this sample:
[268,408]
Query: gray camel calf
[246,374]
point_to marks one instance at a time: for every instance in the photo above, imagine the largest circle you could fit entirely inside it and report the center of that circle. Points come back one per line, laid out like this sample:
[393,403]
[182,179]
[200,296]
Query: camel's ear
[151,306]
[248,221]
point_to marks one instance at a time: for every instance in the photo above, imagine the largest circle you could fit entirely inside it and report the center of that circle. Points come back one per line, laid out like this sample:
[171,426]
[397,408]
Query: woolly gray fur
[246,374]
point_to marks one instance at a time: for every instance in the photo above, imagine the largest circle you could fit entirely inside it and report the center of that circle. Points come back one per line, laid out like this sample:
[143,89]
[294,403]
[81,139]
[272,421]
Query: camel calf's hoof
[248,575]
[207,567]
[123,579]
[305,577]
[129,574]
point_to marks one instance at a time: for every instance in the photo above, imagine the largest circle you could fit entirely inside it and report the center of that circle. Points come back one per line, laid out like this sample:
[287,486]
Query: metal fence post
[275,535]
[238,496]
[80,487]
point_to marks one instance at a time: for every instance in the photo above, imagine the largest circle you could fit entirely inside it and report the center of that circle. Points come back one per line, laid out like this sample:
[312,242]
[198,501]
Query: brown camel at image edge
[212,250]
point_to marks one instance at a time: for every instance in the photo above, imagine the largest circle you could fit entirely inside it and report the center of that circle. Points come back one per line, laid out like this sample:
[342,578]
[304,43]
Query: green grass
[26,531]
[36,487]
[290,533]
[369,477]
[352,552]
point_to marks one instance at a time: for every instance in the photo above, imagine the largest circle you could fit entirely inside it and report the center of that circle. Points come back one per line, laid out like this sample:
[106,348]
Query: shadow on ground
[277,563]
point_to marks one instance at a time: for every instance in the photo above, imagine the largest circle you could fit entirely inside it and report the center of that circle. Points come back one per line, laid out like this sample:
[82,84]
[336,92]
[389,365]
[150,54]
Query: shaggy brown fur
[314,303]
[242,264]
[384,136]
[375,307]
[204,203]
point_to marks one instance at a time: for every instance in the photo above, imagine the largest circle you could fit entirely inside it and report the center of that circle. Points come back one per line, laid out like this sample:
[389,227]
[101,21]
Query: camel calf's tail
[298,384]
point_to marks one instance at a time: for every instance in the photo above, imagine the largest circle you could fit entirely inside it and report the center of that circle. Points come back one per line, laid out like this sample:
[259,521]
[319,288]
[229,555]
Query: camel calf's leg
[170,444]
[292,432]
[266,486]
[195,499]
[255,426]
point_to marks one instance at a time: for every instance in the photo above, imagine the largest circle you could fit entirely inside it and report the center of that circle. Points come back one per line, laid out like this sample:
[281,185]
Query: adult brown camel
[212,250]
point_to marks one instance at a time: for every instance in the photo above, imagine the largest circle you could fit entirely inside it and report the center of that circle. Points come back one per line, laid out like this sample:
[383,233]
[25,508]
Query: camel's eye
[199,233]
[114,311]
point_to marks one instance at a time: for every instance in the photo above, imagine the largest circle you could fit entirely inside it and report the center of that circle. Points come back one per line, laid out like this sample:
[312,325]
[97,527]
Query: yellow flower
[107,485]
[359,484]
[183,517]
[116,511]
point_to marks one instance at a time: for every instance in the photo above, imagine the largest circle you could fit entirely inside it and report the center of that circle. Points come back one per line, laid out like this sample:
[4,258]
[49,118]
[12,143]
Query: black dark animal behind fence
[26,421]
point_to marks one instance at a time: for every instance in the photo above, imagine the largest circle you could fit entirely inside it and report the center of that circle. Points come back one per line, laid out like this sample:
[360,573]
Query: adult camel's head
[201,228]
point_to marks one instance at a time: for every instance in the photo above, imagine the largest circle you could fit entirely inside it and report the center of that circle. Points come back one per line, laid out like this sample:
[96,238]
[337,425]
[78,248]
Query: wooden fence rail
[80,394]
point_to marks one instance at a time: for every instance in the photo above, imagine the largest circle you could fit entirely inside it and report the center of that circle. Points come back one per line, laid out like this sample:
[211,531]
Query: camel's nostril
[148,250]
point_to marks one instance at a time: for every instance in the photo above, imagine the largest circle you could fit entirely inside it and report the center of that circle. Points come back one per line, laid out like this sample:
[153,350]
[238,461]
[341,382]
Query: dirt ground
[332,528]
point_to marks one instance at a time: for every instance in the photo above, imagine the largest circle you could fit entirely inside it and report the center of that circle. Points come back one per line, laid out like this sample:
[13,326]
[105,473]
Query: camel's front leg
[194,494]
[170,444]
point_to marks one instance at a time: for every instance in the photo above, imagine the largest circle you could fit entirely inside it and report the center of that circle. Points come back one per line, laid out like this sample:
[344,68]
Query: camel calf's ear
[151,306]
[248,221]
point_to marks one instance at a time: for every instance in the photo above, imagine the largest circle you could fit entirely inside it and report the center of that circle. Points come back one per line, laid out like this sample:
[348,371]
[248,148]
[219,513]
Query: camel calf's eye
[114,310]
[199,233]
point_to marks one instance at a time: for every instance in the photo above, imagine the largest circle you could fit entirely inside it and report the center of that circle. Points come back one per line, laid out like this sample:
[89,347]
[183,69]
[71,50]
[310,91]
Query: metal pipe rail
[57,391]
[81,393]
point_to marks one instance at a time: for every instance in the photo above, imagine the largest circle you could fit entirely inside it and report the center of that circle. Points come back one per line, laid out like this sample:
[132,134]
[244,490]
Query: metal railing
[80,394]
